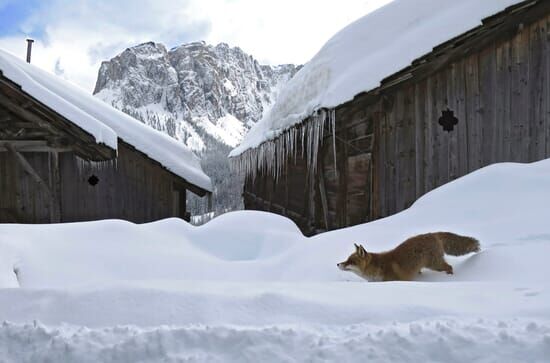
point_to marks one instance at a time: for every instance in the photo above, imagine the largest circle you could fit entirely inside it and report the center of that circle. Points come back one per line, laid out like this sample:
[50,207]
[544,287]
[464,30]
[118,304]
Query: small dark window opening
[93,180]
[448,120]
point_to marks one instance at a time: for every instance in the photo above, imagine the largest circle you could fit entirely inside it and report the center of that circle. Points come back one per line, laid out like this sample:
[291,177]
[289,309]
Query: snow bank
[425,341]
[249,285]
[103,121]
[358,57]
[256,246]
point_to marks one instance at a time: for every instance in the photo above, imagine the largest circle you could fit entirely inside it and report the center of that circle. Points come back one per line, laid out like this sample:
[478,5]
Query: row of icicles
[271,156]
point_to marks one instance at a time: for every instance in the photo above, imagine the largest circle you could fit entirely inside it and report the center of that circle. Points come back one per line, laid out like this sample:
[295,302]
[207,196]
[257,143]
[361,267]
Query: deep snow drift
[248,285]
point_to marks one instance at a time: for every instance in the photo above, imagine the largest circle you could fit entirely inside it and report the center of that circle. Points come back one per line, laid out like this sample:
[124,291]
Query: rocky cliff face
[206,96]
[197,93]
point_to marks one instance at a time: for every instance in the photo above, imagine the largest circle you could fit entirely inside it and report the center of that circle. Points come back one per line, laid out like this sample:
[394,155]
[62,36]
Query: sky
[73,37]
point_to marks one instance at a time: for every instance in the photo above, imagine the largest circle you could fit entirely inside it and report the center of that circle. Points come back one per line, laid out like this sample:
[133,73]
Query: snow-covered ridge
[360,56]
[192,89]
[102,121]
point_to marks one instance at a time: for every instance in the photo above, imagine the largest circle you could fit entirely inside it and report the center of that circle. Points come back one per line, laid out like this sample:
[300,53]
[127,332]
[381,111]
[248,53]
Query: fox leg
[441,265]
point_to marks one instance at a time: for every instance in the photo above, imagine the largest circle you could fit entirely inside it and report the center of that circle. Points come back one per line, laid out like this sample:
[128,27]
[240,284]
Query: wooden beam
[31,146]
[323,192]
[25,114]
[83,143]
[29,169]
[55,187]
[5,123]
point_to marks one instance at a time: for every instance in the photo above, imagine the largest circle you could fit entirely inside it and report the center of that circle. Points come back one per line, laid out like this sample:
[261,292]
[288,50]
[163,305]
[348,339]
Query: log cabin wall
[390,147]
[500,98]
[133,188]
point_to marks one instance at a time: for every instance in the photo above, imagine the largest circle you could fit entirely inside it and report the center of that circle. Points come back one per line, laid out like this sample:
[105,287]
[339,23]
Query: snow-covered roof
[102,121]
[361,55]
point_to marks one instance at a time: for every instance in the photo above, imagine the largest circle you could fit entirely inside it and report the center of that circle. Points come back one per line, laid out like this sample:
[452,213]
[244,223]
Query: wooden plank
[323,194]
[473,117]
[358,188]
[436,131]
[343,175]
[536,81]
[55,188]
[28,169]
[459,84]
[443,152]
[420,136]
[31,146]
[409,174]
[523,103]
[546,92]
[431,124]
[391,154]
[381,150]
[503,98]
[516,105]
[399,135]
[487,75]
[450,101]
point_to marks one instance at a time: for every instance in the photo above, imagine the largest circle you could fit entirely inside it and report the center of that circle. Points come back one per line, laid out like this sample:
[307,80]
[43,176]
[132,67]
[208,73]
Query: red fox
[406,260]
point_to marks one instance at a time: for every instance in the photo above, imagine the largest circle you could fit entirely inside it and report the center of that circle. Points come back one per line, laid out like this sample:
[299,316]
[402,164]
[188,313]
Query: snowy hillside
[192,89]
[248,286]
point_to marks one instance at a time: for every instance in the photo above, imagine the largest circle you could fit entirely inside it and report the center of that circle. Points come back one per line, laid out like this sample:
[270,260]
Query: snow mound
[102,121]
[258,246]
[360,56]
[433,341]
[249,286]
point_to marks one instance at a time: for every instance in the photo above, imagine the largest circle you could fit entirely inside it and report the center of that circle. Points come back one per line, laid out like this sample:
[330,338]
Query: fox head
[357,262]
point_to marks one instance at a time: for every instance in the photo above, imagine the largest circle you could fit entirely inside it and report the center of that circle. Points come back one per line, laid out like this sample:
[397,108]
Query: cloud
[77,35]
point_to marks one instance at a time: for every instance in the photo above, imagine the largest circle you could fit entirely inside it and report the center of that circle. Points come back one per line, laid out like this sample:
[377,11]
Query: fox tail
[456,245]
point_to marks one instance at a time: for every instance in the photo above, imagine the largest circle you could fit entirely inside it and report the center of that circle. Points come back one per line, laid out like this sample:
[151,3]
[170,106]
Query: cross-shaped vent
[448,120]
[93,180]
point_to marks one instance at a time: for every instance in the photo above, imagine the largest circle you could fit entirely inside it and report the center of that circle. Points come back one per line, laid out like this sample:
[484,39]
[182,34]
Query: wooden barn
[66,156]
[480,97]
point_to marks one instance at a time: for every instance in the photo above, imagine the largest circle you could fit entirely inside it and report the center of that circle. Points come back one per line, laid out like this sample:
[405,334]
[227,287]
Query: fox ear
[361,251]
[357,247]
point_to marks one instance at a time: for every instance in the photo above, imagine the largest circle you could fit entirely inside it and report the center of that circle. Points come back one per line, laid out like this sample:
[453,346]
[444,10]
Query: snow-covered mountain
[198,93]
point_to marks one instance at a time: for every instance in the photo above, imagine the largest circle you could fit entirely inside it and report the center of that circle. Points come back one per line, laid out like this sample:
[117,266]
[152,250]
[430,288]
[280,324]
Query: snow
[248,286]
[227,129]
[37,84]
[360,56]
[103,121]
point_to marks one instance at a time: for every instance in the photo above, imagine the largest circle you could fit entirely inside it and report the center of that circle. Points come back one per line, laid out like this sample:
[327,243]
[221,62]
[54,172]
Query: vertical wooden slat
[55,187]
[381,162]
[442,152]
[487,74]
[399,158]
[429,138]
[546,92]
[420,136]
[473,116]
[391,153]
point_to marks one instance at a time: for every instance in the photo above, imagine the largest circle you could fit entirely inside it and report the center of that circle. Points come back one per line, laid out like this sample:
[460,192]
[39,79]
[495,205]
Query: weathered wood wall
[501,98]
[133,188]
[390,148]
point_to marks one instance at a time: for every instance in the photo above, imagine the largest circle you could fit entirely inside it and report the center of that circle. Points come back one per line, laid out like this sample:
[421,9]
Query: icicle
[271,157]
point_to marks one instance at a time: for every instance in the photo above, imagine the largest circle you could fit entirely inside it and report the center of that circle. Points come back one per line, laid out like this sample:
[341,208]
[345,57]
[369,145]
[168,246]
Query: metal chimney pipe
[29,49]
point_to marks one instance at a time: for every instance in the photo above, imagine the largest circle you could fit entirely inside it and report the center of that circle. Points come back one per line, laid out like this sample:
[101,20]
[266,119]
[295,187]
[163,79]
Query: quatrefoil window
[448,120]
[93,180]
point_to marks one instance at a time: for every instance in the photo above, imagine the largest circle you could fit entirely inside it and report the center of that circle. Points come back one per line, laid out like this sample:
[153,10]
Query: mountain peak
[190,90]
